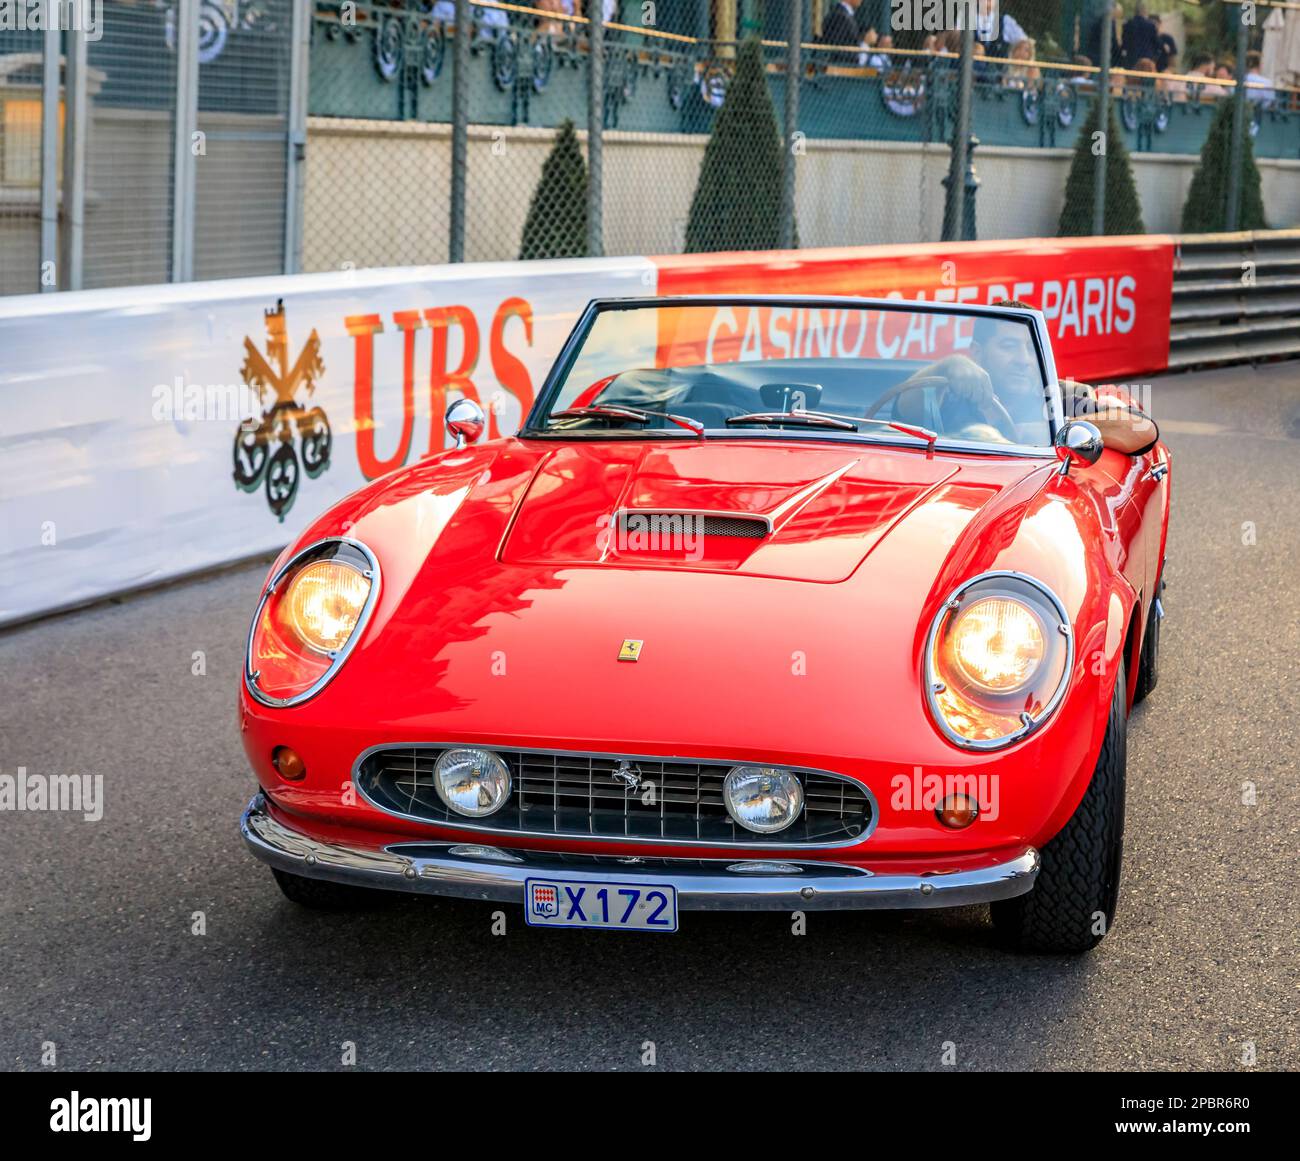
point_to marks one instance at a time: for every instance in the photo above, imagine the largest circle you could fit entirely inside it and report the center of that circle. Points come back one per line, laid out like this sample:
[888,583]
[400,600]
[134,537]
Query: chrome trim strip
[250,674]
[614,838]
[432,869]
[932,682]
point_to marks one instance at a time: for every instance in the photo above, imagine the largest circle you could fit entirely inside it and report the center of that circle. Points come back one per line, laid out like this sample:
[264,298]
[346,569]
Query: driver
[1000,378]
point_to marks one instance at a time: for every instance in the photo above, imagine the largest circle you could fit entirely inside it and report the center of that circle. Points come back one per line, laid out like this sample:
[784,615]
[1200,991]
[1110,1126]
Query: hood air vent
[658,525]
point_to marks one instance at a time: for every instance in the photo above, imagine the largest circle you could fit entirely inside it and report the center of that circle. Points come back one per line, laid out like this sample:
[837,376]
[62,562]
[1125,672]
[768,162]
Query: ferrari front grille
[609,797]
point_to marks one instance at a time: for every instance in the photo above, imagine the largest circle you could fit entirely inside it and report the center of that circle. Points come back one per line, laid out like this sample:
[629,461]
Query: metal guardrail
[1236,297]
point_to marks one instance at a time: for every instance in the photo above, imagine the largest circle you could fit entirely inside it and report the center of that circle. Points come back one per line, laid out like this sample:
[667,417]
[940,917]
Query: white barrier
[120,410]
[148,433]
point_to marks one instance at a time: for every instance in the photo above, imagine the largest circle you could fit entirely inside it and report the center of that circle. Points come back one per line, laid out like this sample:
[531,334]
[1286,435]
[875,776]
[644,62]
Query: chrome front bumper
[442,868]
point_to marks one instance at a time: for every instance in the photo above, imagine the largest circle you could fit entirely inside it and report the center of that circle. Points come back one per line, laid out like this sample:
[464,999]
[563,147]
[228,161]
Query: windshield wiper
[619,413]
[835,422]
[797,418]
[912,429]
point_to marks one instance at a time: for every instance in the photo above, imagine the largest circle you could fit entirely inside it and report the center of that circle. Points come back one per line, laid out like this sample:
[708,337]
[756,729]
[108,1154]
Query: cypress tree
[1206,208]
[556,226]
[737,202]
[1123,210]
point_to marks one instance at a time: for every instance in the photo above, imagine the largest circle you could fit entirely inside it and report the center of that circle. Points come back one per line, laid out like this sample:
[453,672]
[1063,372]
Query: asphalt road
[98,953]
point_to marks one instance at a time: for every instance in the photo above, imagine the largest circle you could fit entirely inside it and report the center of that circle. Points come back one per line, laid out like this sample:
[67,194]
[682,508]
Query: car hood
[808,513]
[496,593]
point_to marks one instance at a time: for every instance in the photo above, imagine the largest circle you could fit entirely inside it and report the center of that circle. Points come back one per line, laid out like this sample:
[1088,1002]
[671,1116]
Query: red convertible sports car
[771,603]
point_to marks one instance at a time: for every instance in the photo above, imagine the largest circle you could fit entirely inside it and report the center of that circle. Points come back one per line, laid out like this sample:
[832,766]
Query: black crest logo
[267,449]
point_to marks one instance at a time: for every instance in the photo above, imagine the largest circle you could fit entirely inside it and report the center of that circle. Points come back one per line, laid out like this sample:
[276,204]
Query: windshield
[799,370]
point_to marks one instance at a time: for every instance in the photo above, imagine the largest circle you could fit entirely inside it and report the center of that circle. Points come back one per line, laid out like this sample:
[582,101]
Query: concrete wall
[377,192]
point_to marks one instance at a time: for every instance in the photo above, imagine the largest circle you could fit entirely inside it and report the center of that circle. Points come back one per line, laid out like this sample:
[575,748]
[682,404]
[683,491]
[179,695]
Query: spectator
[1020,75]
[981,67]
[948,42]
[1202,66]
[1226,76]
[841,26]
[1261,96]
[556,28]
[1175,88]
[996,37]
[1082,78]
[930,43]
[1093,45]
[1139,38]
[492,22]
[878,60]
[1166,48]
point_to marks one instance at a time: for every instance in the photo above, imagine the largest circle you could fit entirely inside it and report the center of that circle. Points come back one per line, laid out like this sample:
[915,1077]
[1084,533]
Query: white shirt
[1259,94]
[985,30]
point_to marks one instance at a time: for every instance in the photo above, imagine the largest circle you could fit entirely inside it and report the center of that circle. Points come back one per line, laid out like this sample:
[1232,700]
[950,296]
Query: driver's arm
[1124,426]
[964,379]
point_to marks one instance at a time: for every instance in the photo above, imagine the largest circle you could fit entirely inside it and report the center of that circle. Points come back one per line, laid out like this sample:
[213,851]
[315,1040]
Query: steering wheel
[1001,416]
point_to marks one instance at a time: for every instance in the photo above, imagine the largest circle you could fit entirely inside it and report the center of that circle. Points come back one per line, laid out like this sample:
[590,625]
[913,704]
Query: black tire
[1072,905]
[322,895]
[1149,660]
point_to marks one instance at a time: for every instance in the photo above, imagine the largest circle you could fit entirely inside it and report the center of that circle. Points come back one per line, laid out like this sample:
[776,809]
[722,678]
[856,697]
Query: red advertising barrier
[1106,300]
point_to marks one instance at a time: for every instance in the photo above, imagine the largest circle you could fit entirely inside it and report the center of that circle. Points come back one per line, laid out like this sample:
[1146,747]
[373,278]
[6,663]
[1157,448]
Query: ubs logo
[266,450]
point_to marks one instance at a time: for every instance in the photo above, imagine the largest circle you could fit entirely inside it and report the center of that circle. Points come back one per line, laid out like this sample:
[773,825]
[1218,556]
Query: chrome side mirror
[1078,443]
[465,421]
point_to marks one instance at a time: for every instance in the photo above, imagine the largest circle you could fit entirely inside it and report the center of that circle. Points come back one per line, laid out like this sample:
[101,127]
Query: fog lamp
[762,799]
[472,782]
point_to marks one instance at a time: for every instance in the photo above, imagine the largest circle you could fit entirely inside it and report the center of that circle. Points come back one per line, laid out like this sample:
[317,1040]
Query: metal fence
[640,128]
[147,141]
[216,138]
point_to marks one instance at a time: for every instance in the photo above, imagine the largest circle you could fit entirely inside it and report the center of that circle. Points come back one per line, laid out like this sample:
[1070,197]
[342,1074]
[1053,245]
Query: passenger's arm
[1124,426]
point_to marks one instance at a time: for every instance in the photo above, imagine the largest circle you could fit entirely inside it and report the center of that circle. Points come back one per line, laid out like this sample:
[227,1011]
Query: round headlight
[472,782]
[324,603]
[763,799]
[997,643]
[998,660]
[312,612]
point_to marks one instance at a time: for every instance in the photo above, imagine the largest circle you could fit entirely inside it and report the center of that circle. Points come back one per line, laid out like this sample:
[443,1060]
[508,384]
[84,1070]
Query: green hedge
[1123,209]
[556,226]
[737,202]
[1206,208]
